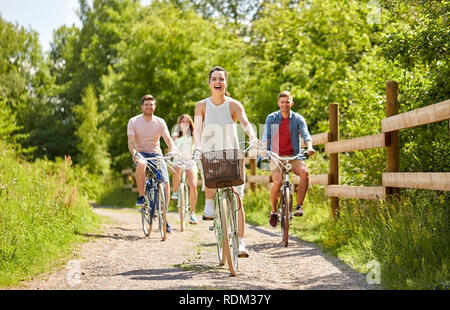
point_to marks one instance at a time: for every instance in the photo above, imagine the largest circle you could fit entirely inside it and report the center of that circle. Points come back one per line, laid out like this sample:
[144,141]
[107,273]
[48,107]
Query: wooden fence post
[333,119]
[253,172]
[393,149]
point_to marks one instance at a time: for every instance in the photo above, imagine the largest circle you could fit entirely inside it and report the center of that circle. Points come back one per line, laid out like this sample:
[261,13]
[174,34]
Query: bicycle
[183,203]
[155,197]
[223,170]
[284,209]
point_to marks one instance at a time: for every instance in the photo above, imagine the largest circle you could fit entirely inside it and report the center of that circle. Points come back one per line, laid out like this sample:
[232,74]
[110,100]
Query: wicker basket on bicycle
[223,168]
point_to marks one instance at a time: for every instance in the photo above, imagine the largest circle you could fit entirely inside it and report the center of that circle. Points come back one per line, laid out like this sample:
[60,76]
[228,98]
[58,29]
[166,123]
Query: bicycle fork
[286,184]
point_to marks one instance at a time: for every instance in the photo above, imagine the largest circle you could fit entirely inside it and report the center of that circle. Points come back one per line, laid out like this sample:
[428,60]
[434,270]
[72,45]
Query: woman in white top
[215,129]
[182,135]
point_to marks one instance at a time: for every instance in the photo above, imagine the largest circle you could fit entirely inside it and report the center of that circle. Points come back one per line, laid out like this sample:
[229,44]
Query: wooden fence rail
[392,179]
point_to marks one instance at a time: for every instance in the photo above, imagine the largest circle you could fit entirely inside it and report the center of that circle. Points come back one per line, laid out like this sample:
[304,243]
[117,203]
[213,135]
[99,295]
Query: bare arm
[198,123]
[168,139]
[238,109]
[132,146]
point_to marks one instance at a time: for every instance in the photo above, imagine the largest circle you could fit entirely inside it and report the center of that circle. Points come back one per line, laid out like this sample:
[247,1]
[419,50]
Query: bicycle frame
[183,203]
[225,220]
[285,207]
[154,192]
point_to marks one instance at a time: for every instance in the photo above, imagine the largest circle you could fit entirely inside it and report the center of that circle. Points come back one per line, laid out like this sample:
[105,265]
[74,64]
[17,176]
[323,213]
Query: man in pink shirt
[144,132]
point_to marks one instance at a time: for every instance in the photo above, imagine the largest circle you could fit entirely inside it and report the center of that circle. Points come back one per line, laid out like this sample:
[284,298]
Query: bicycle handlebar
[149,161]
[302,155]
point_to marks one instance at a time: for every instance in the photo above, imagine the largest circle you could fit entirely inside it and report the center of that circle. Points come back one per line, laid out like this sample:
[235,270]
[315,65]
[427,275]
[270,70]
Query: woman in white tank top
[215,129]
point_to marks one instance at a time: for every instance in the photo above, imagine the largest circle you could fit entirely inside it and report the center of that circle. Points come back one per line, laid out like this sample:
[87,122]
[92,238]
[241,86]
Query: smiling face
[218,83]
[185,124]
[148,107]
[285,103]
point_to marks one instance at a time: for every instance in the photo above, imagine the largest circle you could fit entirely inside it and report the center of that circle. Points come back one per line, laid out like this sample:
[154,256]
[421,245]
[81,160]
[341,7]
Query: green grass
[117,196]
[410,238]
[43,215]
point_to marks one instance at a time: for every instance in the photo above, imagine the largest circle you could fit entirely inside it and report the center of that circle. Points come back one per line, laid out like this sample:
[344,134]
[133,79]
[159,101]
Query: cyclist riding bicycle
[144,132]
[216,129]
[281,135]
[182,135]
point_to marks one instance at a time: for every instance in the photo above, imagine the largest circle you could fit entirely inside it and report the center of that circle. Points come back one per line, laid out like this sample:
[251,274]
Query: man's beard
[148,113]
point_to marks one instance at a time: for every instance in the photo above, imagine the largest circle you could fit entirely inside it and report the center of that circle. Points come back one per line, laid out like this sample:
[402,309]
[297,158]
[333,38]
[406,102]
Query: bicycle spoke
[181,206]
[225,230]
[162,212]
[232,230]
[146,217]
[286,215]
[218,232]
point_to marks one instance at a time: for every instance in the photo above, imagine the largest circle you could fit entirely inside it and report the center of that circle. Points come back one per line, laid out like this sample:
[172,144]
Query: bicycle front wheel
[182,205]
[227,233]
[232,229]
[286,214]
[162,212]
[219,233]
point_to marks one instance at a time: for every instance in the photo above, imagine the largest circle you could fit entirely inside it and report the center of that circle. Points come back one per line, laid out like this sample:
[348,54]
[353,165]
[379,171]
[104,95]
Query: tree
[417,45]
[80,57]
[24,82]
[167,53]
[93,139]
[7,122]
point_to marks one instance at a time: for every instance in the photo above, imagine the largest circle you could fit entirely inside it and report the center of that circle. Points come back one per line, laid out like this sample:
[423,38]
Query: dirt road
[121,258]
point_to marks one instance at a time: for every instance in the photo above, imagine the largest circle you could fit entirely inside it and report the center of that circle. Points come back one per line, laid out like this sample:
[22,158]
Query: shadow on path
[298,248]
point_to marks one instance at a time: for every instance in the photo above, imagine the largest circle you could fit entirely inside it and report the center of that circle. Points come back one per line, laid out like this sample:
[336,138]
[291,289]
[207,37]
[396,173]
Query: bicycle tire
[232,230]
[286,215]
[147,220]
[218,233]
[182,206]
[162,212]
[225,237]
[187,204]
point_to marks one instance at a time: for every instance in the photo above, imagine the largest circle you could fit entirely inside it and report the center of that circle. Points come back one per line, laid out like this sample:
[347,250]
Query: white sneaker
[242,251]
[193,219]
[208,212]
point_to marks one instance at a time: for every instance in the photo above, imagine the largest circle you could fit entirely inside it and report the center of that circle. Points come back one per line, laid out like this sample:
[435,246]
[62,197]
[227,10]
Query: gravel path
[119,257]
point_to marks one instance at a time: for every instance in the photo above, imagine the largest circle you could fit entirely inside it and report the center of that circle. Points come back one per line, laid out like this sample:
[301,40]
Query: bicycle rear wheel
[147,220]
[286,213]
[226,205]
[162,212]
[182,205]
[232,229]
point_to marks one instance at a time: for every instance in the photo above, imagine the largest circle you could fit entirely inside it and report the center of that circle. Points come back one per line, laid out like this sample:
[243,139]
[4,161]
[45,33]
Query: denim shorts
[163,169]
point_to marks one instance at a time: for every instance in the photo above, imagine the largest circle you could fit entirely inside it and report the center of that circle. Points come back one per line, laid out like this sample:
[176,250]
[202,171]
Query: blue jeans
[163,170]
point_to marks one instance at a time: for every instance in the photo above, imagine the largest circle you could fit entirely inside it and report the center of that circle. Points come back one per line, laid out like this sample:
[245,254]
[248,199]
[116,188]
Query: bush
[42,215]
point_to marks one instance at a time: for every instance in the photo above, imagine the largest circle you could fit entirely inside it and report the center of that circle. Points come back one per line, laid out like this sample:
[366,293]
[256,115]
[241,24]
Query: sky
[43,16]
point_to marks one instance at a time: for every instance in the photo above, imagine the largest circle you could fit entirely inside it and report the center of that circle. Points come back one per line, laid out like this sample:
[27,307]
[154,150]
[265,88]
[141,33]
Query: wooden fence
[392,179]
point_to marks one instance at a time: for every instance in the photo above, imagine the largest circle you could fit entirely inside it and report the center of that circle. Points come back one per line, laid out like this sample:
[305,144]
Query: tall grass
[43,213]
[409,238]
